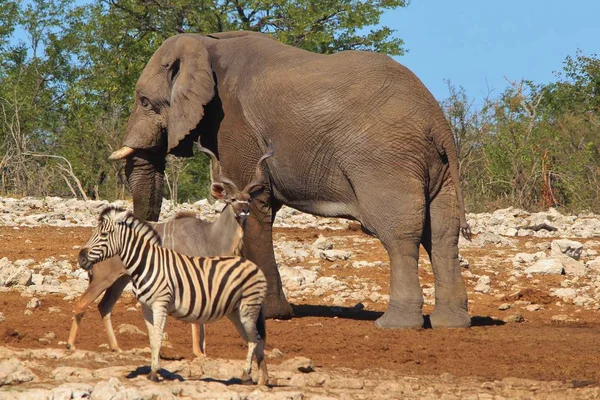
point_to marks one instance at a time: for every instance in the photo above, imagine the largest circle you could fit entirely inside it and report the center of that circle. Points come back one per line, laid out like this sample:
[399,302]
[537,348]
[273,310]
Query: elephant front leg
[258,247]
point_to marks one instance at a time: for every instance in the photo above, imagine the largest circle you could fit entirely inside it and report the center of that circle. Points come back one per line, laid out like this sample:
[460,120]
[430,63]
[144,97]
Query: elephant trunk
[145,172]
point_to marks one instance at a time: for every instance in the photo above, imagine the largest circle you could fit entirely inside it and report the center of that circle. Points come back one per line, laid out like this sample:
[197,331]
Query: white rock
[546,266]
[13,371]
[564,293]
[567,247]
[334,255]
[297,276]
[34,302]
[572,266]
[528,258]
[106,390]
[594,264]
[483,284]
[301,364]
[322,243]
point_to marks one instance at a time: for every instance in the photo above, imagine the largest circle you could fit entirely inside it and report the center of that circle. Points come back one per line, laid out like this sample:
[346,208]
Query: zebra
[192,289]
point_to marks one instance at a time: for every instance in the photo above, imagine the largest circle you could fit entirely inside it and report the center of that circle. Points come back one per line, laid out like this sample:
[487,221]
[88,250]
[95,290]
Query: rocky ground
[533,282]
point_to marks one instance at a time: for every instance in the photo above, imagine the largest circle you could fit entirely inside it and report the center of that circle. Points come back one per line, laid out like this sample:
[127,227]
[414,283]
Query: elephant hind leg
[399,225]
[440,239]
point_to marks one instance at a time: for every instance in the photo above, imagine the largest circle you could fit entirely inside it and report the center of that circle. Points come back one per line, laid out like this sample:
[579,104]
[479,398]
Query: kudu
[186,234]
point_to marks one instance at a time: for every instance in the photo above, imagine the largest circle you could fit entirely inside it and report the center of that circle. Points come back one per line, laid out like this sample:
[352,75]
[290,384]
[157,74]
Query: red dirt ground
[535,349]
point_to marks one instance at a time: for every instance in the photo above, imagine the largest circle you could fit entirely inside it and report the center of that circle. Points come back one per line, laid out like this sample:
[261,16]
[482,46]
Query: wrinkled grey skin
[356,135]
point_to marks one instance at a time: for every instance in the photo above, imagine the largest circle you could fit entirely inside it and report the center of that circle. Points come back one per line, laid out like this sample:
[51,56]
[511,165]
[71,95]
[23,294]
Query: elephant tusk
[122,153]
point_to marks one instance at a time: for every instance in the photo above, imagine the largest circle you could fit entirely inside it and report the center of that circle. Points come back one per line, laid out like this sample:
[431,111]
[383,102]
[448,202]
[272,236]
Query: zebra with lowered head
[192,289]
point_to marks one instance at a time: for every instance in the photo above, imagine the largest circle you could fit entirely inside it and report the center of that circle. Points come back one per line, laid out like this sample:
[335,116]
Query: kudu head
[223,188]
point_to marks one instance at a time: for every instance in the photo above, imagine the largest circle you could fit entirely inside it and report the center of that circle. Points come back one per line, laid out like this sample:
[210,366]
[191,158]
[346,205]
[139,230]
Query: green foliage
[535,146]
[66,83]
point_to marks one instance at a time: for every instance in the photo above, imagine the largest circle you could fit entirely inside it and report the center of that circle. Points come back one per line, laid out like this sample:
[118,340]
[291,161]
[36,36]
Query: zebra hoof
[246,379]
[153,376]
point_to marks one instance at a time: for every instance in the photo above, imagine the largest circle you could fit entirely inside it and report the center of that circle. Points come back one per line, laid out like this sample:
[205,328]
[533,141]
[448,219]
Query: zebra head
[104,242]
[223,188]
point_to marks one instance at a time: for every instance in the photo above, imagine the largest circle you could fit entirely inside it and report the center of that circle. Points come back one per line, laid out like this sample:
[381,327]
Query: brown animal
[185,234]
[357,135]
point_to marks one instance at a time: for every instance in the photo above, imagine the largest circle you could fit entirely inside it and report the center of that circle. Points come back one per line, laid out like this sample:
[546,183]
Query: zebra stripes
[193,289]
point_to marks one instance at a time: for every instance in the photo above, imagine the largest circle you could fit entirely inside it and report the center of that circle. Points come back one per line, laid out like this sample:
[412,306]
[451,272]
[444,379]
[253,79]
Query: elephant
[356,135]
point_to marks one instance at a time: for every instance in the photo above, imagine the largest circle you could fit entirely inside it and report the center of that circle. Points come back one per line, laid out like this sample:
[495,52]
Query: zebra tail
[261,326]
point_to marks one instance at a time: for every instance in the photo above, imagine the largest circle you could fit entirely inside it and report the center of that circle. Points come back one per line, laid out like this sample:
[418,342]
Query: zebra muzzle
[83,259]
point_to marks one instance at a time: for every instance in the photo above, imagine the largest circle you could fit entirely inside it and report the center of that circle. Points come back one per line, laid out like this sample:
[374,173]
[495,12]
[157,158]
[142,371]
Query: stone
[594,264]
[128,329]
[483,284]
[504,307]
[528,258]
[514,318]
[567,247]
[301,364]
[345,383]
[564,293]
[13,371]
[34,302]
[561,318]
[274,354]
[322,243]
[296,277]
[106,390]
[65,373]
[334,255]
[546,266]
[572,266]
[21,276]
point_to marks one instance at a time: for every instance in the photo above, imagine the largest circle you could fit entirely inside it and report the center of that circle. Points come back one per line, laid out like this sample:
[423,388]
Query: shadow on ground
[145,370]
[302,311]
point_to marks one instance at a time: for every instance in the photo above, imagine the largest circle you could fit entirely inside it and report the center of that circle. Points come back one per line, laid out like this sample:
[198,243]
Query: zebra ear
[120,217]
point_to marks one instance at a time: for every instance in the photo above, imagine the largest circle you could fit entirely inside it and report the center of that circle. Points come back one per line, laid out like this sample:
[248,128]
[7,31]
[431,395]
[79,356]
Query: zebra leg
[237,322]
[263,375]
[198,340]
[249,315]
[155,317]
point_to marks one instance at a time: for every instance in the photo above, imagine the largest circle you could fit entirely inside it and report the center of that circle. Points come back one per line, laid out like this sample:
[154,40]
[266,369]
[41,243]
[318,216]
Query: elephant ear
[192,87]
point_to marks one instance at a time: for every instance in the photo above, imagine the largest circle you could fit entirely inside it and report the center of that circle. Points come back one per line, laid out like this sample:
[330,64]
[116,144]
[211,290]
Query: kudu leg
[110,298]
[198,340]
[95,289]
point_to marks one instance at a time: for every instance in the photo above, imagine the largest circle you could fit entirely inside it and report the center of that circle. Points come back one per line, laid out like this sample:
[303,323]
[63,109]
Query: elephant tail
[446,146]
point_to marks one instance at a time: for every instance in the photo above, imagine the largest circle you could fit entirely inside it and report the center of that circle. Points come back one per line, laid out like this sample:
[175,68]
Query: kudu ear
[221,186]
[192,87]
[257,186]
[218,190]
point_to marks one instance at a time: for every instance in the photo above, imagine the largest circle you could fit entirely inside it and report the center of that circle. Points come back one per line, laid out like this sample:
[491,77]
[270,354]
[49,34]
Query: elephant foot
[400,317]
[276,306]
[450,317]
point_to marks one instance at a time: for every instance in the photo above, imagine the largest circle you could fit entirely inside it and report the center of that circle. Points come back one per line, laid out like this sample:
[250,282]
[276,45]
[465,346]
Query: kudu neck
[229,231]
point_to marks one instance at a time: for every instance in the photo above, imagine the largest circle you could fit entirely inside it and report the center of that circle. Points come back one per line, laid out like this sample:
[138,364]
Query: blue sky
[476,43]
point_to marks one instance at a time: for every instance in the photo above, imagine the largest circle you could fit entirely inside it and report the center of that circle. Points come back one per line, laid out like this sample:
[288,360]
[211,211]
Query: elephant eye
[145,102]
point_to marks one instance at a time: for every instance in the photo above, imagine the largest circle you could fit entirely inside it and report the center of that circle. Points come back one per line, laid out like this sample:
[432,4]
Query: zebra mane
[139,226]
